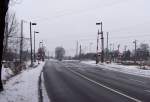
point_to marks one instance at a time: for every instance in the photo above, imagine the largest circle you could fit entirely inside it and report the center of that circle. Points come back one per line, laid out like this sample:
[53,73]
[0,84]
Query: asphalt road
[77,82]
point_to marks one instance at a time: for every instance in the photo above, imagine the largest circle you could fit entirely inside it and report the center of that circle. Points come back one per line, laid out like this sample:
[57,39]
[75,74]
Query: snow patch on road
[22,87]
[134,70]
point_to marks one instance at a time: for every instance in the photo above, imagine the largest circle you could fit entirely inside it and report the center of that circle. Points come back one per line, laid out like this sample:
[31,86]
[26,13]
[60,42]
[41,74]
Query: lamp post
[102,41]
[31,41]
[34,46]
[40,44]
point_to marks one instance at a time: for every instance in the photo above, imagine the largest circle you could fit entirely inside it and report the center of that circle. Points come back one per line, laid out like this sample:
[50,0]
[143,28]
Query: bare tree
[3,10]
[11,30]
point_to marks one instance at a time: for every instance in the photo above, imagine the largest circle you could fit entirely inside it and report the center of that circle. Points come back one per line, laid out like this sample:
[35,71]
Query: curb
[40,96]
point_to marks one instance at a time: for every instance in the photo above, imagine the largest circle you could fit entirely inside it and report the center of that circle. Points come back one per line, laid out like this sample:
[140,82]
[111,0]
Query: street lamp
[34,46]
[31,40]
[34,23]
[40,43]
[102,42]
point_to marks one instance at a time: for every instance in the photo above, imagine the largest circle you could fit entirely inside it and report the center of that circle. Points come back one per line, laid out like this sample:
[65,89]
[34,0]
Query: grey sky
[63,22]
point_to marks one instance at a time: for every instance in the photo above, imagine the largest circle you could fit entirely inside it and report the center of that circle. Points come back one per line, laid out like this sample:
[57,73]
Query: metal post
[31,44]
[77,48]
[107,50]
[80,52]
[21,41]
[34,47]
[102,40]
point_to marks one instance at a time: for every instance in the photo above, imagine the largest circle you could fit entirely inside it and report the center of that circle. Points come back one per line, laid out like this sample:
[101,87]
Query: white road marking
[137,81]
[147,91]
[113,90]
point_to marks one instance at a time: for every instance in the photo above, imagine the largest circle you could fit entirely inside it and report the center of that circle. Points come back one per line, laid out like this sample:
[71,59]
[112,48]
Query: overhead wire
[83,10]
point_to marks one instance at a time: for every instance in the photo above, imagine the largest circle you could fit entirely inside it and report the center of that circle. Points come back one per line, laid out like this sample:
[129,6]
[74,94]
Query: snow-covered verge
[22,87]
[6,74]
[134,70]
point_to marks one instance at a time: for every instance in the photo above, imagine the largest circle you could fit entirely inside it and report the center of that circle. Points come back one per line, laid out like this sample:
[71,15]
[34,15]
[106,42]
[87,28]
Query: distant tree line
[142,53]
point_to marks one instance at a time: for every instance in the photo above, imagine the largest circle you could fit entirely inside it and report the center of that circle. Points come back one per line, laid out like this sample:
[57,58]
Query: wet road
[71,81]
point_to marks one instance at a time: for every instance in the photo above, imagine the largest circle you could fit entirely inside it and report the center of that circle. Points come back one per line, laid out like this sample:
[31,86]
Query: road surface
[70,81]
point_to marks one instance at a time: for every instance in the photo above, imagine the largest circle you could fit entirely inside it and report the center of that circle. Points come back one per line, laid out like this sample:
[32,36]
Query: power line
[84,10]
[123,37]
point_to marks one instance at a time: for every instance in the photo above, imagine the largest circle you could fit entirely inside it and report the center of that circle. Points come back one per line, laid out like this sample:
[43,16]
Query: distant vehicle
[59,53]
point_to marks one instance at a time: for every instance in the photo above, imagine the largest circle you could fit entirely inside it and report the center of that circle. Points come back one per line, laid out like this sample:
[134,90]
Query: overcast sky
[63,22]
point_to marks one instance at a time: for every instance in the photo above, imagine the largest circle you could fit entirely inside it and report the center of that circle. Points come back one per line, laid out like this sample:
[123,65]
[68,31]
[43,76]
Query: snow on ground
[134,70]
[6,73]
[23,87]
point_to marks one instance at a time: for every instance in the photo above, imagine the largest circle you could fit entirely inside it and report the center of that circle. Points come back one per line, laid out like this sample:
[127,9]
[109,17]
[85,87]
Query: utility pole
[102,41]
[97,48]
[107,40]
[43,52]
[118,50]
[31,41]
[135,42]
[21,41]
[34,46]
[113,49]
[77,48]
[110,52]
[107,50]
[80,52]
